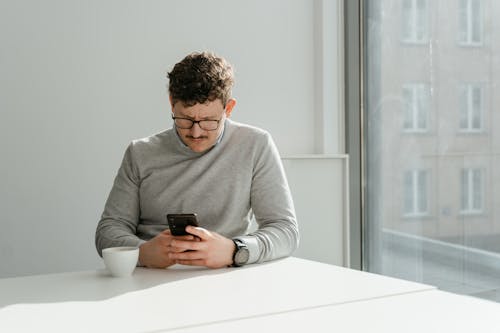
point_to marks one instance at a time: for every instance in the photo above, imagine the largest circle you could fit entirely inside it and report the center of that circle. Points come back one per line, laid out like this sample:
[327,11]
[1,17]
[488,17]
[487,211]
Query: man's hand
[155,252]
[208,249]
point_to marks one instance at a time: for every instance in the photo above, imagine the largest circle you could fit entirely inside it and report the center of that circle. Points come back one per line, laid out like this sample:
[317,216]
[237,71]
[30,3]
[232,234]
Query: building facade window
[469,22]
[472,191]
[415,21]
[415,193]
[471,108]
[416,107]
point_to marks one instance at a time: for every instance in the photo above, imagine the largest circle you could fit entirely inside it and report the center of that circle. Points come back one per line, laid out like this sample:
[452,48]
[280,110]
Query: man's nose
[196,130]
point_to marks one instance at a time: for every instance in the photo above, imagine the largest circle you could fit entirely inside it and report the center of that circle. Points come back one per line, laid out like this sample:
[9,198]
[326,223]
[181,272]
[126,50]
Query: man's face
[196,138]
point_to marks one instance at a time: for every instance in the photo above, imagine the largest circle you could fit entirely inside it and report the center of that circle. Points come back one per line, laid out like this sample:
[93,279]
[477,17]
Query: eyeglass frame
[197,122]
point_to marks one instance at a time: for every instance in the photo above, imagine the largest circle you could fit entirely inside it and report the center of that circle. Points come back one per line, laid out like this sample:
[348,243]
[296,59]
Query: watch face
[241,256]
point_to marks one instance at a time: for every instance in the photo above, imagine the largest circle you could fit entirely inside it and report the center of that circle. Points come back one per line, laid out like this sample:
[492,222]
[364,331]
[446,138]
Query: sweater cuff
[141,241]
[253,247]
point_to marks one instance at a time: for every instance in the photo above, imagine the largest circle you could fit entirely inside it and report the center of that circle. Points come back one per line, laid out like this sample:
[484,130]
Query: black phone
[178,223]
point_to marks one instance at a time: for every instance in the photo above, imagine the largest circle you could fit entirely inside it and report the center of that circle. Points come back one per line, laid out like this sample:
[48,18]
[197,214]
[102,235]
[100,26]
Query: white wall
[80,79]
[320,190]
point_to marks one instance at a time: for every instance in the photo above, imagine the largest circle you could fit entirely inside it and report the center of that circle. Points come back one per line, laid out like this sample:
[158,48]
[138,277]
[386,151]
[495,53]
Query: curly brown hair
[199,78]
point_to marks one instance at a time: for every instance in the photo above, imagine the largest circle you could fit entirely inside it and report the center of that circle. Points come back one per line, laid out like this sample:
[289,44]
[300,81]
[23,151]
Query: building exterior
[433,130]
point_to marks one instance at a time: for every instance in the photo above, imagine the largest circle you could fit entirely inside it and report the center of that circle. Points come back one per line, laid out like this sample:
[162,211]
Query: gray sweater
[240,176]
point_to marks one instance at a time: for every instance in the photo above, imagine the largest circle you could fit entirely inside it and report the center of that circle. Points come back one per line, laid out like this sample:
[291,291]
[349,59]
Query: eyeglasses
[186,123]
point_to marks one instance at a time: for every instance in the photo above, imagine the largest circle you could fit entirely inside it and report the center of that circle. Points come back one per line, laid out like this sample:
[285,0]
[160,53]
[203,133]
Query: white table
[183,297]
[430,311]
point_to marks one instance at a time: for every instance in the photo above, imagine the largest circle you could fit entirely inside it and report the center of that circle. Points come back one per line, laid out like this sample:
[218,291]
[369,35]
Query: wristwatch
[241,253]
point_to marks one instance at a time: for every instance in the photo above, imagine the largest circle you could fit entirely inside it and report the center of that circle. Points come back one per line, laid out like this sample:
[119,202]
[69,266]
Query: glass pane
[406,30]
[463,106]
[476,21]
[477,186]
[421,20]
[476,107]
[423,107]
[465,190]
[463,24]
[432,212]
[408,107]
[408,193]
[422,192]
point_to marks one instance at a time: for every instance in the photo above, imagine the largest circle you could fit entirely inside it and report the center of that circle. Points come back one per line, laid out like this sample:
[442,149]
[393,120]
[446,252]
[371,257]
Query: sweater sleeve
[119,220]
[278,233]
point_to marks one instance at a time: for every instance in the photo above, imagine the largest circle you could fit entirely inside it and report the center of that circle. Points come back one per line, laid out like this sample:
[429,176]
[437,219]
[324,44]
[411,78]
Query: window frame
[419,93]
[467,89]
[468,24]
[411,24]
[416,176]
[469,173]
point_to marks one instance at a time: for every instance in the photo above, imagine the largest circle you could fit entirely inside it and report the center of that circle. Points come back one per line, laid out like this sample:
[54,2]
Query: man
[223,171]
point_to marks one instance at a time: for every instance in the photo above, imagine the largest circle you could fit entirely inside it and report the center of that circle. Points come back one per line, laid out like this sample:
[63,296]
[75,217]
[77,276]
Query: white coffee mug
[120,261]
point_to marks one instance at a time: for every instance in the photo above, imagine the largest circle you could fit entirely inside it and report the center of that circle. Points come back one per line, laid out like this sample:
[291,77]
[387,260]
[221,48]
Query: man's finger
[175,249]
[197,262]
[186,255]
[198,231]
[187,245]
[185,237]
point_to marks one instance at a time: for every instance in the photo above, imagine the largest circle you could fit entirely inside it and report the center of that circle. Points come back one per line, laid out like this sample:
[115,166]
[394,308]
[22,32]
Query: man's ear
[229,106]
[171,104]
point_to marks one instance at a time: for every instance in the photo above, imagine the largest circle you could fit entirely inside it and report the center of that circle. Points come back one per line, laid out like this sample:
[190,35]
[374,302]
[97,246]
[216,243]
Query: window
[472,191]
[469,22]
[471,107]
[428,202]
[415,21]
[415,193]
[416,107]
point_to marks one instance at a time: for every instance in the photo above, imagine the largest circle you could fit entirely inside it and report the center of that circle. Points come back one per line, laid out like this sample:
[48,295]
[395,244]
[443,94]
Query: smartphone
[178,223]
